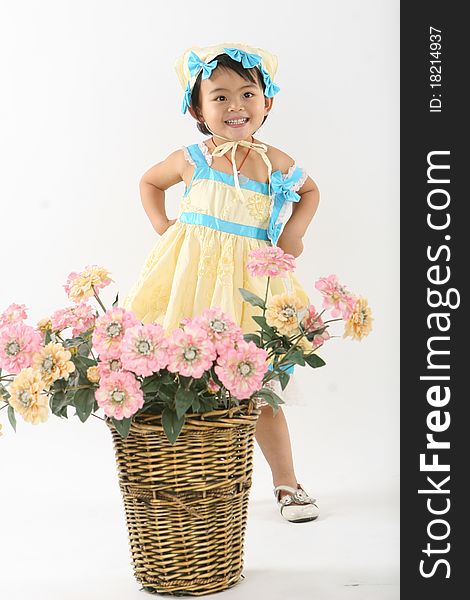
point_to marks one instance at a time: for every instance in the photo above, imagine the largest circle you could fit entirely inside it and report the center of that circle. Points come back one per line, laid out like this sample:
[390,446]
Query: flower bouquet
[181,406]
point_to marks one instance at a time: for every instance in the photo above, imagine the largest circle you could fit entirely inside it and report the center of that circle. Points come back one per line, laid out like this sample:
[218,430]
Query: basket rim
[210,418]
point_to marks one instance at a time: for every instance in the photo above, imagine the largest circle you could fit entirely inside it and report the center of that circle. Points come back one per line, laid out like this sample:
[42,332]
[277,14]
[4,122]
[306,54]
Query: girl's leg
[273,438]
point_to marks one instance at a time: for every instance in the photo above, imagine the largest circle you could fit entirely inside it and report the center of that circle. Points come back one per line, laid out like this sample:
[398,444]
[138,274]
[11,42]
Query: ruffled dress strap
[196,156]
[284,187]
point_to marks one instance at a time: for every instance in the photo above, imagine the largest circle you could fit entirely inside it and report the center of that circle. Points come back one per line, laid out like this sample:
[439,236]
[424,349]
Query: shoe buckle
[300,497]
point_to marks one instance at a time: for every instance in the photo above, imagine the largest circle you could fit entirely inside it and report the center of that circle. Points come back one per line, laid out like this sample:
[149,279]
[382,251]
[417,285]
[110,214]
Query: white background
[90,101]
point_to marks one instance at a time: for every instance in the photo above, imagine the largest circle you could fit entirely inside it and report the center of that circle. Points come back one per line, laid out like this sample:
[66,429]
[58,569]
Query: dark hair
[226,62]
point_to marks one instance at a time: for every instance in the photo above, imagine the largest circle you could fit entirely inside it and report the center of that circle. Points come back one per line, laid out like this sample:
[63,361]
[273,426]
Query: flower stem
[98,298]
[264,308]
[78,387]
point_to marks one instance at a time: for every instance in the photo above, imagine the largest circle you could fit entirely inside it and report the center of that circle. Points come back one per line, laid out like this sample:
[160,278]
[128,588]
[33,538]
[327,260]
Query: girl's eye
[251,94]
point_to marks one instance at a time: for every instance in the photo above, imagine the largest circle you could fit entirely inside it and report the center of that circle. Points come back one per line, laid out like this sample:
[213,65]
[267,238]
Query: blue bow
[186,99]
[248,60]
[271,88]
[282,189]
[195,64]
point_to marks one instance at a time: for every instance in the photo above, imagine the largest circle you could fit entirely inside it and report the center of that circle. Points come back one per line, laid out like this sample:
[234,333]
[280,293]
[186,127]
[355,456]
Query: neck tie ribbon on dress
[232,145]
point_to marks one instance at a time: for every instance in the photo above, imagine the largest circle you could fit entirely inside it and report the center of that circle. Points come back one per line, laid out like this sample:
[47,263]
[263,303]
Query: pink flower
[336,296]
[110,329]
[107,366]
[13,313]
[18,343]
[313,322]
[190,352]
[79,316]
[242,370]
[144,349]
[120,395]
[219,328]
[270,261]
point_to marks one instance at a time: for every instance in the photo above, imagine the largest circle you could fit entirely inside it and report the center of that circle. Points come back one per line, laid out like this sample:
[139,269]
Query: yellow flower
[27,397]
[93,374]
[281,312]
[81,285]
[359,323]
[44,324]
[53,362]
[1,429]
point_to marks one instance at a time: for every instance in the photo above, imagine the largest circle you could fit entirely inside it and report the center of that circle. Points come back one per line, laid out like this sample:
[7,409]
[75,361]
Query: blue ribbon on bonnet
[186,98]
[283,192]
[247,59]
[195,64]
[271,88]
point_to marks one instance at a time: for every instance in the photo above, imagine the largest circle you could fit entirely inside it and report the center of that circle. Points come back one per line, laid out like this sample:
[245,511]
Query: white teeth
[237,121]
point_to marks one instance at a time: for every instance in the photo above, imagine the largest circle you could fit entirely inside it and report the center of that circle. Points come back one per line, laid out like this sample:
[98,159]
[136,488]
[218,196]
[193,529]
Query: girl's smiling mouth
[237,122]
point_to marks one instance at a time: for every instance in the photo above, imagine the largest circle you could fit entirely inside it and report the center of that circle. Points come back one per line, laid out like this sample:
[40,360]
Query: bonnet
[197,58]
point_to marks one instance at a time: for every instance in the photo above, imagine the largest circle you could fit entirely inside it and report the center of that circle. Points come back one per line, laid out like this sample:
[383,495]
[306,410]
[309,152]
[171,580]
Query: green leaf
[209,403]
[4,393]
[196,405]
[115,303]
[12,416]
[47,337]
[271,398]
[82,363]
[314,360]
[252,337]
[183,400]
[296,357]
[283,379]
[59,384]
[150,385]
[122,426]
[57,402]
[172,425]
[83,350]
[253,299]
[165,394]
[84,401]
[264,326]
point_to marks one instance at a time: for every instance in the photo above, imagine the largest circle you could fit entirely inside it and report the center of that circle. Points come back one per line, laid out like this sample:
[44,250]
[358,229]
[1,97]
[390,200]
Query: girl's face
[232,106]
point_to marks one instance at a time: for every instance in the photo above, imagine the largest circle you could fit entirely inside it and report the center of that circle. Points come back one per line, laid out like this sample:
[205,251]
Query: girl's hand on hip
[169,223]
[290,243]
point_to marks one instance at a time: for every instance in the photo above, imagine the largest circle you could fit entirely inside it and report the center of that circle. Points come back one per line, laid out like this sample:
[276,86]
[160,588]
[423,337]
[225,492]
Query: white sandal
[297,506]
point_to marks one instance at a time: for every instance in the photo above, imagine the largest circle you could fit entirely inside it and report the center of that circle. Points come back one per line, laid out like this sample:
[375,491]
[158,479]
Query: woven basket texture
[186,504]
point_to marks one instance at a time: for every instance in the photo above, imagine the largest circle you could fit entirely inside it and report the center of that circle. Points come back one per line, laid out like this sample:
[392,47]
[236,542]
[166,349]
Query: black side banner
[435,248]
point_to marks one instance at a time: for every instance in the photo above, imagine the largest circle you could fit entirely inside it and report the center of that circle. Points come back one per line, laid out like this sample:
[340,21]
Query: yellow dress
[200,260]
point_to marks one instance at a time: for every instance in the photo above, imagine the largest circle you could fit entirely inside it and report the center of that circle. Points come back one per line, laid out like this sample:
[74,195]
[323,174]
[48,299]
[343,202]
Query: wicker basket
[186,504]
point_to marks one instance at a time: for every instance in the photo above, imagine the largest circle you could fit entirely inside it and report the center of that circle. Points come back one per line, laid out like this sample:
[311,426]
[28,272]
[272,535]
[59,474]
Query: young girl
[238,192]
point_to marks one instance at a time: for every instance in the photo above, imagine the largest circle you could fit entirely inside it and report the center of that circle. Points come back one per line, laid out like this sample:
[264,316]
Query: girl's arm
[152,187]
[303,211]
